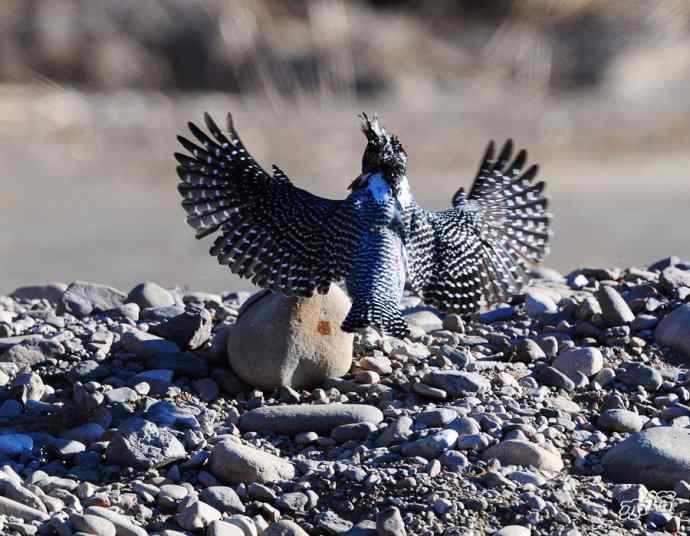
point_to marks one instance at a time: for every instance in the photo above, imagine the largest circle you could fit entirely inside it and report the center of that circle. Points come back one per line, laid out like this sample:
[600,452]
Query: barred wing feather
[269,231]
[484,244]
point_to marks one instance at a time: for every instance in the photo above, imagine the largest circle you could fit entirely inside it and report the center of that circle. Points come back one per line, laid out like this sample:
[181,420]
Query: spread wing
[482,246]
[281,237]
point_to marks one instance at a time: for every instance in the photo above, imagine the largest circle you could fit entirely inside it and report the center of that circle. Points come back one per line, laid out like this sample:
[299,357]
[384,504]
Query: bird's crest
[382,147]
[373,130]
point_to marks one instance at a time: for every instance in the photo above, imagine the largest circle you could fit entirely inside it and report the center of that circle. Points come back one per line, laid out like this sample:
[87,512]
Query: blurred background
[93,92]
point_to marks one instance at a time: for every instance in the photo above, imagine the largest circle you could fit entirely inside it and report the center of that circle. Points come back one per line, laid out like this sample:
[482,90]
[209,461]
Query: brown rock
[281,341]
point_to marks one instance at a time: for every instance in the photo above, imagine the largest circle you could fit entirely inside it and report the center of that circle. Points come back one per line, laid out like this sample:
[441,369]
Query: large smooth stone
[48,291]
[82,299]
[149,294]
[674,330]
[657,457]
[587,361]
[280,341]
[518,452]
[319,418]
[234,462]
[614,308]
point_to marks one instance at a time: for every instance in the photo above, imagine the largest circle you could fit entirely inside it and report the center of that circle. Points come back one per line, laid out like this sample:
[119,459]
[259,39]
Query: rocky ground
[563,413]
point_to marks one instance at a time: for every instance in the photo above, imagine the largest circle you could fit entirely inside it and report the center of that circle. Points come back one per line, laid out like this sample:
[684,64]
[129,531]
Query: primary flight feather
[377,239]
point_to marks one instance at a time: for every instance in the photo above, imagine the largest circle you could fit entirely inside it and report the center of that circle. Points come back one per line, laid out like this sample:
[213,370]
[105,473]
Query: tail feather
[383,315]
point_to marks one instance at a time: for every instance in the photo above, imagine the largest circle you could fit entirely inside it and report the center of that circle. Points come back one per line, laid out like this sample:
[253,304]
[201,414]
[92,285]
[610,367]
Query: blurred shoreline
[92,95]
[89,188]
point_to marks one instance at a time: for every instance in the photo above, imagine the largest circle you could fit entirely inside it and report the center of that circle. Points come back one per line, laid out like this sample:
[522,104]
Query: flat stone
[150,294]
[320,418]
[457,383]
[518,452]
[32,352]
[8,342]
[285,527]
[674,330]
[12,508]
[431,446]
[587,361]
[234,462]
[147,345]
[48,291]
[614,308]
[223,498]
[82,298]
[553,378]
[620,420]
[643,375]
[657,457]
[91,524]
[124,525]
[141,444]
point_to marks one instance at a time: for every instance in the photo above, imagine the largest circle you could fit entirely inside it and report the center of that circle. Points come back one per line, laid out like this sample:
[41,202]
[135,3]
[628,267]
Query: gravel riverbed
[565,412]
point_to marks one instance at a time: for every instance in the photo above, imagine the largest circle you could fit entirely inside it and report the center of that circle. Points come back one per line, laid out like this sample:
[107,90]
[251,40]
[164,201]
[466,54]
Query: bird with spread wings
[378,239]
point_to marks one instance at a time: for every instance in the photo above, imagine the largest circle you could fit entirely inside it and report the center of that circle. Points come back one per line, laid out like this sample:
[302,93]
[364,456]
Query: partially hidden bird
[378,239]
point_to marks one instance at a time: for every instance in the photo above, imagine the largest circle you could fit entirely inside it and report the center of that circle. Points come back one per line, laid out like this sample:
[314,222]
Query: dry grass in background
[94,93]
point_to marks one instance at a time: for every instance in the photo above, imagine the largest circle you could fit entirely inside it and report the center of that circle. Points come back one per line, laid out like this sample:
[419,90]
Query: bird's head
[383,154]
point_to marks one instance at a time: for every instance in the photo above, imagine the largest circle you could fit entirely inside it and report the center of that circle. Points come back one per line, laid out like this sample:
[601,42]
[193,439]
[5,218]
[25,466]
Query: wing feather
[269,230]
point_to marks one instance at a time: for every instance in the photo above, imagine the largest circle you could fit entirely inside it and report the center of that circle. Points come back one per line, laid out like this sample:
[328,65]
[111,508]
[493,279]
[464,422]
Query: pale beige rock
[285,527]
[518,452]
[9,507]
[234,462]
[281,341]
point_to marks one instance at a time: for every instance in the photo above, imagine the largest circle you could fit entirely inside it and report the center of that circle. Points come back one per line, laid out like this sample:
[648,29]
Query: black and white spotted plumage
[377,239]
[477,251]
[269,231]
